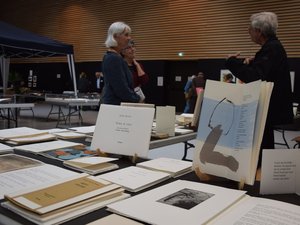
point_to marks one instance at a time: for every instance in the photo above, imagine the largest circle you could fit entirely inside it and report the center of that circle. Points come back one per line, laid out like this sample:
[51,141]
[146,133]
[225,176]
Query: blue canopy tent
[19,43]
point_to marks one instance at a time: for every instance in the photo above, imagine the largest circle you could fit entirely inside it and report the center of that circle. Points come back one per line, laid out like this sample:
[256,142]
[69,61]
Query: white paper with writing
[280,171]
[123,130]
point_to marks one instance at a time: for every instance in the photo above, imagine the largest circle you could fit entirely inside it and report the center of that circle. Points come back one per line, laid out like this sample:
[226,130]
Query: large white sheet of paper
[14,181]
[253,211]
[123,130]
[280,171]
[178,203]
[226,139]
[165,120]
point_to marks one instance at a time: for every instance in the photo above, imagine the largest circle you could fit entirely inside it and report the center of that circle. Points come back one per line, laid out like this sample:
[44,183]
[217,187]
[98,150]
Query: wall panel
[201,29]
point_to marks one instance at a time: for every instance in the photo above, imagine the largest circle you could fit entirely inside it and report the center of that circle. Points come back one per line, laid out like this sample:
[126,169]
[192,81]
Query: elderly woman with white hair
[269,64]
[117,76]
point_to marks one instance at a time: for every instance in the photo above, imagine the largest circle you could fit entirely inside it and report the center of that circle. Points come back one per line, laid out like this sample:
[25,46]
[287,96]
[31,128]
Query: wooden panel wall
[201,29]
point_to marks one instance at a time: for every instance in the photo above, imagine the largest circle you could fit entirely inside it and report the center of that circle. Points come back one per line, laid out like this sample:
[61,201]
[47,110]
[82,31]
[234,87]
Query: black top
[270,64]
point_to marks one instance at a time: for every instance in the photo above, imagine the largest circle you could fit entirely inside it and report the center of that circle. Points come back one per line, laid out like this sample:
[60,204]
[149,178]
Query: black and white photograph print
[186,198]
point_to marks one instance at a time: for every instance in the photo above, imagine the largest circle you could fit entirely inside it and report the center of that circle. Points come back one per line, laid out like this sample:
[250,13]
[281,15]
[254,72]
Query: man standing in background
[99,82]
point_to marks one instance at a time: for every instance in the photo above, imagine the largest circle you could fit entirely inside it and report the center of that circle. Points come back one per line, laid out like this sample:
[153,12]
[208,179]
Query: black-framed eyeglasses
[232,115]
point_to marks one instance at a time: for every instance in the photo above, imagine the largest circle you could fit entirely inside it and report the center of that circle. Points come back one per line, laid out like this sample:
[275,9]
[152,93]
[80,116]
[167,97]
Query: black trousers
[267,141]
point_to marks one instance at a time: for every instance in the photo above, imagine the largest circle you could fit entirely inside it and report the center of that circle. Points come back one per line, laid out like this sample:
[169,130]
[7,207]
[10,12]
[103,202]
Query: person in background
[269,64]
[198,83]
[188,91]
[138,74]
[99,82]
[117,76]
[84,84]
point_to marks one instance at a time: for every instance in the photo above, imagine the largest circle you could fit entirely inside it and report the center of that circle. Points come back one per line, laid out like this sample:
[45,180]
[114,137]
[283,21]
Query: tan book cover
[61,194]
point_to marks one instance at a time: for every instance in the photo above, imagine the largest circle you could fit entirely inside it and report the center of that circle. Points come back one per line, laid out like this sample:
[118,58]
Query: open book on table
[194,203]
[230,130]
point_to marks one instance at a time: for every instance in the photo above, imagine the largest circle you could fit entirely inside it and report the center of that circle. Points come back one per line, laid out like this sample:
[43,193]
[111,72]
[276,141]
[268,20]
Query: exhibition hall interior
[149,112]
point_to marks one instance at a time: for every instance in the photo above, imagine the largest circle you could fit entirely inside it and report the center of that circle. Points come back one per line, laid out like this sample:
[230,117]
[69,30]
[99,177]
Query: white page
[31,139]
[46,146]
[183,131]
[166,164]
[178,203]
[123,130]
[31,177]
[280,171]
[132,178]
[114,219]
[69,134]
[19,132]
[253,211]
[84,129]
[93,160]
[5,148]
[165,119]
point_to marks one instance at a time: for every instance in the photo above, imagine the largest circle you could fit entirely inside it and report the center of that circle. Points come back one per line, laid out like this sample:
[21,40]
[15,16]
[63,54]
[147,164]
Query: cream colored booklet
[50,197]
[17,132]
[175,167]
[67,213]
[92,165]
[134,178]
[31,139]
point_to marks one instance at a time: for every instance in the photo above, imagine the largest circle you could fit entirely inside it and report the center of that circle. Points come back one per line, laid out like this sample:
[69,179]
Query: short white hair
[266,22]
[116,28]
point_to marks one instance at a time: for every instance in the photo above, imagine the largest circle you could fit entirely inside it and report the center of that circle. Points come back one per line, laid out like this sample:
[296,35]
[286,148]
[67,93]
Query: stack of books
[63,200]
[92,165]
[174,167]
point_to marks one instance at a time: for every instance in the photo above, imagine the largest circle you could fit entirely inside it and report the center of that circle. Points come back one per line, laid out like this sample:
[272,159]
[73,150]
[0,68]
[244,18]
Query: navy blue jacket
[118,80]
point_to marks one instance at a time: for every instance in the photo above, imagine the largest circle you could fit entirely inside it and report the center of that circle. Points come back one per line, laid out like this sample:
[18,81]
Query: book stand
[100,153]
[134,158]
[202,176]
[207,177]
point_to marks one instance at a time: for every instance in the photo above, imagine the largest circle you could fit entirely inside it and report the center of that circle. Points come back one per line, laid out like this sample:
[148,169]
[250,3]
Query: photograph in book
[186,198]
[226,142]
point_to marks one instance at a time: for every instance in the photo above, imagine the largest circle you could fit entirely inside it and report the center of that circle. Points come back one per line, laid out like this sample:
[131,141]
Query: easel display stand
[207,177]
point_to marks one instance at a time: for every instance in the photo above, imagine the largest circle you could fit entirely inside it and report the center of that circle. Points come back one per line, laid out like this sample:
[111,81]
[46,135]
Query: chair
[295,126]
